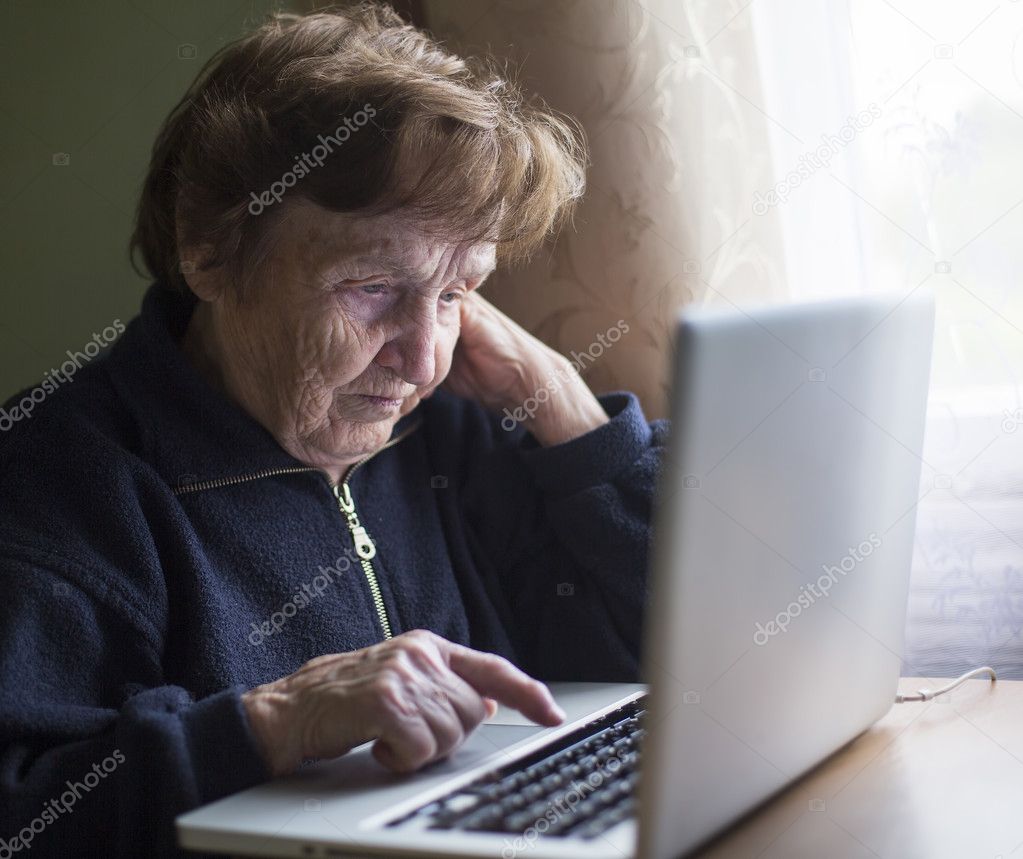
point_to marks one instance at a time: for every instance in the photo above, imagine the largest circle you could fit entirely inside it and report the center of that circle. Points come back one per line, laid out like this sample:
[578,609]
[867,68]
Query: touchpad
[359,771]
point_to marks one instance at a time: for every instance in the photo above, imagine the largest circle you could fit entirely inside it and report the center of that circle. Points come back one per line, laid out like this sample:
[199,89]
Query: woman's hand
[417,695]
[506,369]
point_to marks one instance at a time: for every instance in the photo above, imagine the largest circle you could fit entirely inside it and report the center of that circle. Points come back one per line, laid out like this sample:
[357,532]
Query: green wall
[93,80]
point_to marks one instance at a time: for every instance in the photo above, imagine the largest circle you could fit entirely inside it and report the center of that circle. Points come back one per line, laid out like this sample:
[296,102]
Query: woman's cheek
[444,351]
[355,325]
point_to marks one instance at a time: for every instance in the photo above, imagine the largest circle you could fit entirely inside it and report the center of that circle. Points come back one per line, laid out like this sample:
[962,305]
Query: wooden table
[931,780]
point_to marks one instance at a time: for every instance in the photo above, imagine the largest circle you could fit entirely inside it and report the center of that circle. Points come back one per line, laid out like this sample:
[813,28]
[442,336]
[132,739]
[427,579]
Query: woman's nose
[411,353]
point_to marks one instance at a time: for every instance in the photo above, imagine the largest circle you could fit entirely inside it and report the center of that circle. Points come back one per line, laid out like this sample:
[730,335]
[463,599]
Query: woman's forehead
[393,240]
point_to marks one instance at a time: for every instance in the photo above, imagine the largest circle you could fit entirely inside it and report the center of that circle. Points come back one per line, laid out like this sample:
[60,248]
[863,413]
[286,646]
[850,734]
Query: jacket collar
[189,431]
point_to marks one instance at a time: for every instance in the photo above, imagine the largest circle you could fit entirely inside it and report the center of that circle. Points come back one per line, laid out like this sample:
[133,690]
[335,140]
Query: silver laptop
[783,541]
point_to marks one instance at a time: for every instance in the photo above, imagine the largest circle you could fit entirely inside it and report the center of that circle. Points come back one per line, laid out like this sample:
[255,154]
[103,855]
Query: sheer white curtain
[917,110]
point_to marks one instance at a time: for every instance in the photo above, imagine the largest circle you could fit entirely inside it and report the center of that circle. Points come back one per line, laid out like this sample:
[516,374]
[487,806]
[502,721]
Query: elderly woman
[320,492]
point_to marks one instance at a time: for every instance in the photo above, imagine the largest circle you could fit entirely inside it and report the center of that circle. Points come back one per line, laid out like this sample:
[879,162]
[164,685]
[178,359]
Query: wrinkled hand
[500,365]
[417,695]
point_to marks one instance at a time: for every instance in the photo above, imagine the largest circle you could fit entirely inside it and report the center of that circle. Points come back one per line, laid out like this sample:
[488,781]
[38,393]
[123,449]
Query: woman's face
[354,322]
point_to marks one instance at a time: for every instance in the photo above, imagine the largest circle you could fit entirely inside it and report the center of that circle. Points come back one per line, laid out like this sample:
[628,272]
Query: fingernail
[561,714]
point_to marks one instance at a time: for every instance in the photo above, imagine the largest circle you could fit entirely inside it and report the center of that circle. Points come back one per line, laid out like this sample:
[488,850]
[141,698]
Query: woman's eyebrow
[400,265]
[376,259]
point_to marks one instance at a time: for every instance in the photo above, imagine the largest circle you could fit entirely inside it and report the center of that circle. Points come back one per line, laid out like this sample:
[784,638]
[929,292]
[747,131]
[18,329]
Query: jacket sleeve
[565,530]
[98,753]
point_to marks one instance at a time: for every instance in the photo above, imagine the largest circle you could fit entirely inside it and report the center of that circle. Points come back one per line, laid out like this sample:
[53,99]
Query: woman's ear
[204,280]
[194,262]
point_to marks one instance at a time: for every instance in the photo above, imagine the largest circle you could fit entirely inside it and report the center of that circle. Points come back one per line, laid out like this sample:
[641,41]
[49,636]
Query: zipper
[365,548]
[220,482]
[217,483]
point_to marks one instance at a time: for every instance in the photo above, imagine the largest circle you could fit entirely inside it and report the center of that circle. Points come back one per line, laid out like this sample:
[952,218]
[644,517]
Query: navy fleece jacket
[160,554]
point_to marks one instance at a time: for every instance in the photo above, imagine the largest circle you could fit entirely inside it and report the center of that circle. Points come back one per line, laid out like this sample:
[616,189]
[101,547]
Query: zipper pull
[364,546]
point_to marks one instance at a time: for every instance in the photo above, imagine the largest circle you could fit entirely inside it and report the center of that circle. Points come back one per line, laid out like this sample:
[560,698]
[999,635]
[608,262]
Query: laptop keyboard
[580,786]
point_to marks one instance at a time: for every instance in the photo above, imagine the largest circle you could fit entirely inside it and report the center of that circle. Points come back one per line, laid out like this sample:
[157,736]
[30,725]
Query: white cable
[928,694]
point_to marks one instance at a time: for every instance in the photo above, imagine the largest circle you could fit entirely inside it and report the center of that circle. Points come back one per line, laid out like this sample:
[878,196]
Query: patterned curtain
[668,94]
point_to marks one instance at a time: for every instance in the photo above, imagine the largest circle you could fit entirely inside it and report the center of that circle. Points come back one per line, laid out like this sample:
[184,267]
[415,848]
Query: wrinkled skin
[354,306]
[417,695]
[333,322]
